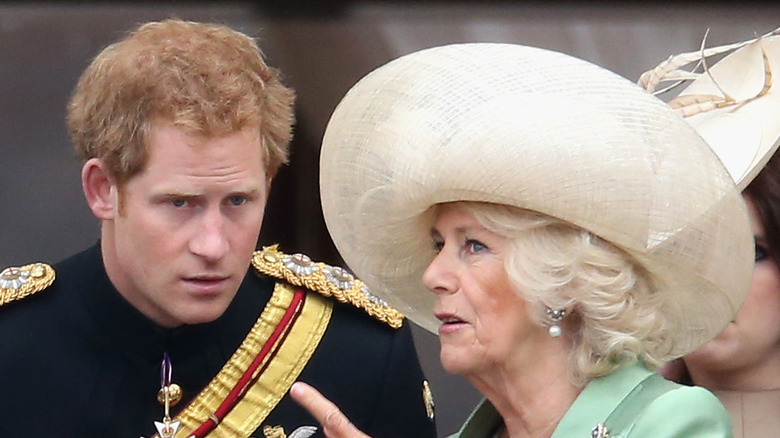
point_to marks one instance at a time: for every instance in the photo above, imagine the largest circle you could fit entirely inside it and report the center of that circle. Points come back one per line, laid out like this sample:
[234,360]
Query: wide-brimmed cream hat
[543,131]
[734,104]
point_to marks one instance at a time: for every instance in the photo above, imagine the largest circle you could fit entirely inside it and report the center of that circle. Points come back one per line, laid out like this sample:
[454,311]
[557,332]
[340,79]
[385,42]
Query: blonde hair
[204,78]
[616,317]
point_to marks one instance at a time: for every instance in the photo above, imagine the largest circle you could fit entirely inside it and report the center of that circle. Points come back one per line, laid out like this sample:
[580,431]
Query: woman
[742,364]
[539,199]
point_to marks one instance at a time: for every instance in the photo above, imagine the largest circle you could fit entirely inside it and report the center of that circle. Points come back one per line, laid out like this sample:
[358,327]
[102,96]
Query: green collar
[600,397]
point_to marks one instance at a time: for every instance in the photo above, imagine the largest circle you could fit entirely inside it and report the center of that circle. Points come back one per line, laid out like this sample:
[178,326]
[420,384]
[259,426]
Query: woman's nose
[439,276]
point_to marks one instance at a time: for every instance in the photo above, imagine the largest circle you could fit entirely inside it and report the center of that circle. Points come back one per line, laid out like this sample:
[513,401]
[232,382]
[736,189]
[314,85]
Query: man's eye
[761,253]
[237,200]
[178,203]
[437,246]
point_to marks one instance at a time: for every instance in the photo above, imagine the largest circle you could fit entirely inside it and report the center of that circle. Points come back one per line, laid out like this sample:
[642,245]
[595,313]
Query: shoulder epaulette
[330,281]
[17,283]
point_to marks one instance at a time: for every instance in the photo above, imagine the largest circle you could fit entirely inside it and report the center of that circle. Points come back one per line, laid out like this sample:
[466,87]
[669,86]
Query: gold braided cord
[30,279]
[270,261]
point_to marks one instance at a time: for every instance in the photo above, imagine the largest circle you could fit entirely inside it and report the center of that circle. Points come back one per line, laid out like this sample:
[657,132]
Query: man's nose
[210,240]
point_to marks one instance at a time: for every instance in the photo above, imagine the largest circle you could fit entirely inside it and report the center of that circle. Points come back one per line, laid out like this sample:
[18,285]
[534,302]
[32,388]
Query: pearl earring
[556,315]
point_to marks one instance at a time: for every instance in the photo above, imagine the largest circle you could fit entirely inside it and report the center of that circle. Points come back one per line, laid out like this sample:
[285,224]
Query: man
[163,326]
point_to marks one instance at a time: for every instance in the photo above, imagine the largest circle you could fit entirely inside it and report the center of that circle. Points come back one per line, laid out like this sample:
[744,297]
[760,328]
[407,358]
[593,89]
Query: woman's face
[484,322]
[752,340]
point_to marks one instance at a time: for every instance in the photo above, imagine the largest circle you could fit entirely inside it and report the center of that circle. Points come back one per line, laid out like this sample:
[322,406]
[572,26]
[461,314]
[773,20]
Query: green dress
[673,411]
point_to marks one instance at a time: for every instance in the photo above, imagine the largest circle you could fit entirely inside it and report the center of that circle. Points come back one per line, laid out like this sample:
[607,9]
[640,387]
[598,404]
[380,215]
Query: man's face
[181,244]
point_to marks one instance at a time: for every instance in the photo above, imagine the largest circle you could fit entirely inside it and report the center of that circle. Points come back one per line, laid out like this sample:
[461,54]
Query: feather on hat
[733,104]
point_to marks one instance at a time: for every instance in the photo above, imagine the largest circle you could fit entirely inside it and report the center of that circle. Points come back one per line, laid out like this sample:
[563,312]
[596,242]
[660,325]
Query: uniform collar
[125,328]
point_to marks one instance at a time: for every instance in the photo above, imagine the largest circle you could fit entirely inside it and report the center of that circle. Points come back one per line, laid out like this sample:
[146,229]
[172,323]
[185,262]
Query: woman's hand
[334,423]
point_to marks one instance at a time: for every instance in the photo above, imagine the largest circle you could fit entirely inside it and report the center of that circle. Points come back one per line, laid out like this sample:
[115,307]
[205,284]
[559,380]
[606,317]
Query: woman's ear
[100,189]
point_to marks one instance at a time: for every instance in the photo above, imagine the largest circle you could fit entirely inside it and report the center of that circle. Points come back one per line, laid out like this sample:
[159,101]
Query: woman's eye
[475,246]
[437,246]
[761,253]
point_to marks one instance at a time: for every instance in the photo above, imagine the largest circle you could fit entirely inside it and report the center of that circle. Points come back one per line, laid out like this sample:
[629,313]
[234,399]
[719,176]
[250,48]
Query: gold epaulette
[299,270]
[17,283]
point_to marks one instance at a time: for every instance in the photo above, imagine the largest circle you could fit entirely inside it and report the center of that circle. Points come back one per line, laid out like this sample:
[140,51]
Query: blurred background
[322,47]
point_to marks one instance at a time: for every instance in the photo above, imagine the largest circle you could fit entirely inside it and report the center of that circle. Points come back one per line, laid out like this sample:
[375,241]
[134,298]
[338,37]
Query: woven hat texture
[543,131]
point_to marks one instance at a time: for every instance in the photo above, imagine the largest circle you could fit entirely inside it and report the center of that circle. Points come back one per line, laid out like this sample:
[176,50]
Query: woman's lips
[449,323]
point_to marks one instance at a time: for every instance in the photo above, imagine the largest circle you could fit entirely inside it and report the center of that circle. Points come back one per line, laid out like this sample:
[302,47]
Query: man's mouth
[207,284]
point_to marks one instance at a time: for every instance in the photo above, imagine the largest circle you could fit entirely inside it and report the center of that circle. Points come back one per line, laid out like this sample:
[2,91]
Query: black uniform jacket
[76,360]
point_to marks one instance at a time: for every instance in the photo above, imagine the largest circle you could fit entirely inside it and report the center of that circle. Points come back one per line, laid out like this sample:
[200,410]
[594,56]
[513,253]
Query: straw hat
[538,130]
[734,106]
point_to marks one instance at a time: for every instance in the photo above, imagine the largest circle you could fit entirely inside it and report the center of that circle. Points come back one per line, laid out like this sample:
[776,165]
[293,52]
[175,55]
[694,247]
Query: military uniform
[77,360]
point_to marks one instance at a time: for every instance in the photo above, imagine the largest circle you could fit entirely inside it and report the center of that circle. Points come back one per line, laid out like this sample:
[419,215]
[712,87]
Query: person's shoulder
[685,411]
[705,401]
[20,282]
[329,281]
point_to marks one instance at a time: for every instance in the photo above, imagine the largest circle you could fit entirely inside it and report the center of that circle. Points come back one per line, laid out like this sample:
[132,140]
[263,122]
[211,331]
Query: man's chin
[203,314]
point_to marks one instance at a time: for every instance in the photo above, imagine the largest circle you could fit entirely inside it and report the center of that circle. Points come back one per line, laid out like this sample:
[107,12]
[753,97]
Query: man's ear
[100,189]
